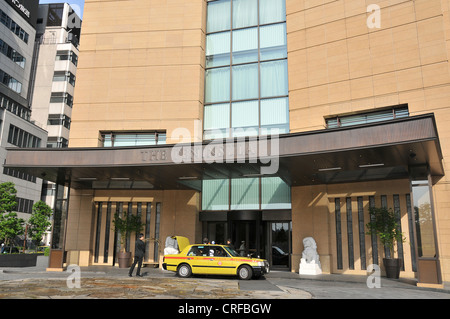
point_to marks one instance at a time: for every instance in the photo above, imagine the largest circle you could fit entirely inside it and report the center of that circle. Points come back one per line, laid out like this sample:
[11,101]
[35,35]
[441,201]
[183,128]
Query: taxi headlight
[261,263]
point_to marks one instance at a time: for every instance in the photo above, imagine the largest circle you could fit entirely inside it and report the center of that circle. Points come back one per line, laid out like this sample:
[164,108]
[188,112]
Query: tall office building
[295,118]
[57,40]
[54,76]
[17,33]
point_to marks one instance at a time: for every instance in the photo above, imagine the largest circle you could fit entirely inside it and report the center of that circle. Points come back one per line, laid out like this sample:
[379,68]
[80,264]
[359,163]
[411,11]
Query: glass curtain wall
[246,80]
[245,194]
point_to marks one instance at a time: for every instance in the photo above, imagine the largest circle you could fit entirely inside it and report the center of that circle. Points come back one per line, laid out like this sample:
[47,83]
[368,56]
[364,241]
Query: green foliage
[383,223]
[39,221]
[10,225]
[126,225]
[7,197]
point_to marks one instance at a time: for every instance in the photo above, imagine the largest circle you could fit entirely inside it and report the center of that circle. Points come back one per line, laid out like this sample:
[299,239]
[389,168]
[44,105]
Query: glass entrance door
[246,237]
[243,237]
[251,236]
[279,240]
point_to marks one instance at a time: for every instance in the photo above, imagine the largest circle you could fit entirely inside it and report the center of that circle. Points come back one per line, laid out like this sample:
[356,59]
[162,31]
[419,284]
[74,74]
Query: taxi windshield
[231,251]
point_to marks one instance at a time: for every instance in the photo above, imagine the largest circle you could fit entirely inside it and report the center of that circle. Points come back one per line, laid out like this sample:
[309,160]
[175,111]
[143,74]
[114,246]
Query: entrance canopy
[376,151]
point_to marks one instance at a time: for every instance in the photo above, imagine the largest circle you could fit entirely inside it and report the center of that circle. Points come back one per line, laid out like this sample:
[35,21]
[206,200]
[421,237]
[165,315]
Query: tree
[7,197]
[126,225]
[39,221]
[10,225]
[384,224]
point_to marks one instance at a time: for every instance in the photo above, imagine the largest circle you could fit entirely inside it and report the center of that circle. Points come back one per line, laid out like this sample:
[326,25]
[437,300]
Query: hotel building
[262,121]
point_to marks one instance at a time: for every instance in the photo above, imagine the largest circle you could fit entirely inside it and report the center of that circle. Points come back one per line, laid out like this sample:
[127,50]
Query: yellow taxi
[210,259]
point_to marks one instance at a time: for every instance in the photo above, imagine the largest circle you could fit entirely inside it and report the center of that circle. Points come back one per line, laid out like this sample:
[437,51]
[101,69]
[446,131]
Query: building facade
[54,76]
[263,122]
[57,41]
[17,33]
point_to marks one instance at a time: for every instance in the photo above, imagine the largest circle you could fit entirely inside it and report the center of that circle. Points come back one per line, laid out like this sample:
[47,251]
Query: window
[215,193]
[245,45]
[15,108]
[13,26]
[218,49]
[220,91]
[21,138]
[246,68]
[67,56]
[55,15]
[57,142]
[217,120]
[62,97]
[62,76]
[59,119]
[274,78]
[367,117]
[18,174]
[245,193]
[10,82]
[245,82]
[219,16]
[12,54]
[24,205]
[275,194]
[118,139]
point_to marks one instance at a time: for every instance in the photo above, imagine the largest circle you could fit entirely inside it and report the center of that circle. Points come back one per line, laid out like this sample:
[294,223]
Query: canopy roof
[376,151]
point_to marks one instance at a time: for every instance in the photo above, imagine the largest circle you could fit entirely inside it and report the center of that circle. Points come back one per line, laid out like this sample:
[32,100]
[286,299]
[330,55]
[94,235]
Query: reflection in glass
[281,234]
[245,193]
[424,220]
[215,194]
[275,194]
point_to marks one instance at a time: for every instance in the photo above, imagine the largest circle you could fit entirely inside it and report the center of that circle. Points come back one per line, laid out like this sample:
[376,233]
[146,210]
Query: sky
[77,5]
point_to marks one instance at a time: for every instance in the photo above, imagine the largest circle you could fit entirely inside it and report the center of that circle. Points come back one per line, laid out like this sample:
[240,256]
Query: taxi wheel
[184,271]
[245,272]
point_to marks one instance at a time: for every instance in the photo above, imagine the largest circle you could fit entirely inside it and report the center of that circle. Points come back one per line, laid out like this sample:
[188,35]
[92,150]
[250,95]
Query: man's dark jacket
[139,249]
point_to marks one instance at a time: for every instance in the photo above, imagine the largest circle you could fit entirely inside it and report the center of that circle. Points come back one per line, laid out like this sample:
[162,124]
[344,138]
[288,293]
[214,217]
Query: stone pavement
[105,282]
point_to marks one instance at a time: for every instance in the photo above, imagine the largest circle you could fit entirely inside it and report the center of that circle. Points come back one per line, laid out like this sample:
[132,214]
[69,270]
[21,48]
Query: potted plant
[383,223]
[126,225]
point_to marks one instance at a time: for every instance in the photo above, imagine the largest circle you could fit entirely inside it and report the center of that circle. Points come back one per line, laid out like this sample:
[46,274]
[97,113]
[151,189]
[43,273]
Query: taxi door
[221,262]
[201,260]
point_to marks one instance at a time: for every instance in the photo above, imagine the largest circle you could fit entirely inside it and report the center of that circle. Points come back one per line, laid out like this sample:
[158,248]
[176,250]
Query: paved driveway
[108,282]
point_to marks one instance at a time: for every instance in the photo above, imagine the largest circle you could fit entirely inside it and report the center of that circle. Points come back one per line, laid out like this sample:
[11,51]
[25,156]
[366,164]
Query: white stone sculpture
[310,263]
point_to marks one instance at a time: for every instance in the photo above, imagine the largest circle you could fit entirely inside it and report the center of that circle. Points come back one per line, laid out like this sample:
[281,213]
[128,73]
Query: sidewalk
[106,282]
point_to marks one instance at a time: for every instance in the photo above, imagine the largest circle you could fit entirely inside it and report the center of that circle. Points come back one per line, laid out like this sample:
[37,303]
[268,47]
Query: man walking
[139,252]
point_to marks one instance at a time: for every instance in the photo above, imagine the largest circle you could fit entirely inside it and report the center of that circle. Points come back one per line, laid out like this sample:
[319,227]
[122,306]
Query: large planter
[392,267]
[124,259]
[18,260]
